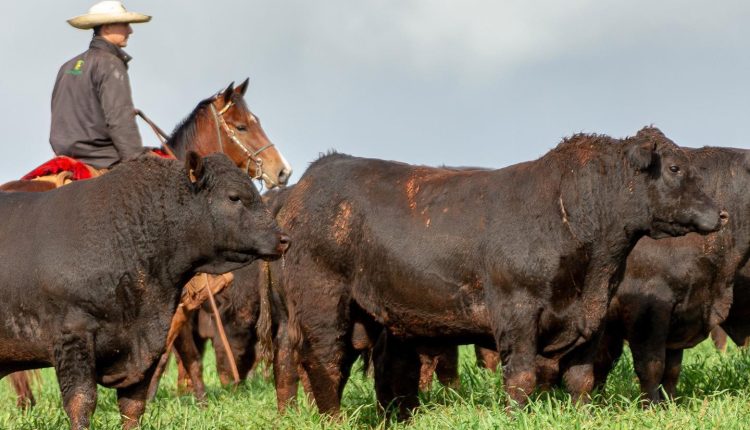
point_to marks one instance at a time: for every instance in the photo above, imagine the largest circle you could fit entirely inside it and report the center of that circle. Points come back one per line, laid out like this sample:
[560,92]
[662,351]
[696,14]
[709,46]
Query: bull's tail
[265,320]
[287,317]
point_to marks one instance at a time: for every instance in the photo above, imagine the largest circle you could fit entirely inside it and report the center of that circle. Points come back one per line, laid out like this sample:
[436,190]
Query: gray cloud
[424,81]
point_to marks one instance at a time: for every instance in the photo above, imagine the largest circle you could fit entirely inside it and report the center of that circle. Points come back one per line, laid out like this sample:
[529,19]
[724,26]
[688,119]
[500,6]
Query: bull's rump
[426,249]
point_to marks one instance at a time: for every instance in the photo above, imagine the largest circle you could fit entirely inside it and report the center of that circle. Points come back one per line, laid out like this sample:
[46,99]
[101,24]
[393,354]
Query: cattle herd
[547,266]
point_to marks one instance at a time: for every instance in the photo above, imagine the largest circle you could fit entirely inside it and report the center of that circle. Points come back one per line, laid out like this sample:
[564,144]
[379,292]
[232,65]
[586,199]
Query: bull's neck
[602,205]
[725,179]
[166,233]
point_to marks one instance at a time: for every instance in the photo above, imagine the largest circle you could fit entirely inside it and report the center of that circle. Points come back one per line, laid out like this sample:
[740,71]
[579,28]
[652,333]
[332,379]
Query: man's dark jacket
[92,108]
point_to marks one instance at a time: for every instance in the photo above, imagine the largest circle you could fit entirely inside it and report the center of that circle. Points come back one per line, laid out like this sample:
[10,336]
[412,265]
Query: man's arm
[117,104]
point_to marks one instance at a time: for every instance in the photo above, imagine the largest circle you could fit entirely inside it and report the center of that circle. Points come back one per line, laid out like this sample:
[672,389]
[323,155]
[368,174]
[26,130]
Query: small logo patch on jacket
[76,69]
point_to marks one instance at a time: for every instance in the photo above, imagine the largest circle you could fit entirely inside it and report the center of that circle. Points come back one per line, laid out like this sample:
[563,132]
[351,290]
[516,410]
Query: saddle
[63,170]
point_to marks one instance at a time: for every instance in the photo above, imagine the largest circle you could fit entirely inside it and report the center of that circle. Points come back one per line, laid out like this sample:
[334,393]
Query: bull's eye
[674,169]
[241,127]
[234,197]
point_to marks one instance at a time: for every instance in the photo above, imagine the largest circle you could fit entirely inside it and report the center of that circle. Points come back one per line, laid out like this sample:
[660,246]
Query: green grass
[713,393]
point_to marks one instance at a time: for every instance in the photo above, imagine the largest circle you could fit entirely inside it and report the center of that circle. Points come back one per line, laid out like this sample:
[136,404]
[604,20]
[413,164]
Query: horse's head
[241,137]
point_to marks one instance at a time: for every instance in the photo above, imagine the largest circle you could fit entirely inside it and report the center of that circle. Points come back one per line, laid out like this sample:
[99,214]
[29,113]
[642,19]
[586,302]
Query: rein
[251,156]
[163,137]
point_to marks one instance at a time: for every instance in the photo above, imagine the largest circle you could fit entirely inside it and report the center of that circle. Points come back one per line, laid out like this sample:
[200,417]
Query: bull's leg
[76,375]
[578,371]
[132,401]
[323,324]
[516,337]
[547,372]
[397,374]
[672,369]
[648,362]
[607,355]
[327,373]
[447,367]
[284,370]
[649,349]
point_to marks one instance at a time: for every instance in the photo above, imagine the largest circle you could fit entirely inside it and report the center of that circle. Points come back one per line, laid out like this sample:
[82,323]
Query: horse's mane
[185,131]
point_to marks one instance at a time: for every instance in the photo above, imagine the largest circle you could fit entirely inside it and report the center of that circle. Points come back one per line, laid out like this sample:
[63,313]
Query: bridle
[251,155]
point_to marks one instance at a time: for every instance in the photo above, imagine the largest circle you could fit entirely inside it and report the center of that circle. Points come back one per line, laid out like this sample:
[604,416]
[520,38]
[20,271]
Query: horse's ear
[194,166]
[243,87]
[227,95]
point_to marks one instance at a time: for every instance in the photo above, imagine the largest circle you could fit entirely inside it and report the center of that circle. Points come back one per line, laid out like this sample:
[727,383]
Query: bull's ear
[227,94]
[194,166]
[243,87]
[641,155]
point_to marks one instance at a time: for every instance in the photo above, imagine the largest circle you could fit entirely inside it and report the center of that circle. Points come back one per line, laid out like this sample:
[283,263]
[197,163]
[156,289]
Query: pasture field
[714,393]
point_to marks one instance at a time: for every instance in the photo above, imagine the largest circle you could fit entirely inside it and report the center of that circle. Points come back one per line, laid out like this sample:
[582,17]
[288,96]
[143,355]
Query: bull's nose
[284,176]
[284,242]
[724,217]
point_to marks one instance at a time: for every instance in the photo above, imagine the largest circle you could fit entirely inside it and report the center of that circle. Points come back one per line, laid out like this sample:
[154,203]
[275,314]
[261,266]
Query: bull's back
[419,237]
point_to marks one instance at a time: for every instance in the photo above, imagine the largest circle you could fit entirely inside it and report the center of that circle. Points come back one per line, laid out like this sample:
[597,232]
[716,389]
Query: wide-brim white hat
[107,12]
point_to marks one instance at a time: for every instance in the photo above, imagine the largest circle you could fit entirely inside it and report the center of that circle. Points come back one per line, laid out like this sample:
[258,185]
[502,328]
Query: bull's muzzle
[284,242]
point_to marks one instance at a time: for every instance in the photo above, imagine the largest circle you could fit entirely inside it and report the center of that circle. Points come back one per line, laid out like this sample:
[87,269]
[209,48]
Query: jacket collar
[101,43]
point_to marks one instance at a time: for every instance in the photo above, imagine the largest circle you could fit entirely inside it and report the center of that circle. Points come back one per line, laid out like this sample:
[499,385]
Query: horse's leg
[179,318]
[427,365]
[719,336]
[487,358]
[24,395]
[189,359]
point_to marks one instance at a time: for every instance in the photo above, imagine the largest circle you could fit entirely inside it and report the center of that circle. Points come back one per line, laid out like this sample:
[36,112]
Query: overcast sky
[469,82]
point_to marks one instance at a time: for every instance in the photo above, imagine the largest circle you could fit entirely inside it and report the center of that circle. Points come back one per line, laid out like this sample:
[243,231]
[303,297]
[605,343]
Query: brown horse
[221,123]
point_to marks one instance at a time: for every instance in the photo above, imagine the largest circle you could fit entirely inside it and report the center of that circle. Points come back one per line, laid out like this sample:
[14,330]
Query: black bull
[91,273]
[527,256]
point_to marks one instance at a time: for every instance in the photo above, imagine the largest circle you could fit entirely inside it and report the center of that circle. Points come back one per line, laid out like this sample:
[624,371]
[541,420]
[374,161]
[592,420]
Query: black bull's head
[676,202]
[242,228]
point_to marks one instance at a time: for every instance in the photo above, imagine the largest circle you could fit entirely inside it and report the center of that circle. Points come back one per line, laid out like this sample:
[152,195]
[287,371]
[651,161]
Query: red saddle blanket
[78,169]
[59,164]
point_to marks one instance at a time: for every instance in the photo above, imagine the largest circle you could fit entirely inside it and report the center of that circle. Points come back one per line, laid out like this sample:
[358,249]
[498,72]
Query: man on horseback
[93,116]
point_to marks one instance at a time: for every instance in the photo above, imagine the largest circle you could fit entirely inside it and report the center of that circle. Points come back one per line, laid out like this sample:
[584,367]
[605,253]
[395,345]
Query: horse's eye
[241,127]
[674,169]
[234,197]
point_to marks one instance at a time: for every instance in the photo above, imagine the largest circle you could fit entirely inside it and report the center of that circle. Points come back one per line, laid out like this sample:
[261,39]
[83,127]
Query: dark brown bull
[675,291]
[527,256]
[92,272]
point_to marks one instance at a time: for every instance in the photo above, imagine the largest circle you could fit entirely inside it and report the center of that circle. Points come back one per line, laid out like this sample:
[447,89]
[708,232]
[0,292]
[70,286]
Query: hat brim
[91,20]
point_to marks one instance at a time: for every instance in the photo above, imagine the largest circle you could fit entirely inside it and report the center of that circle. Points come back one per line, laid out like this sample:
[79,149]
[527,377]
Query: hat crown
[108,6]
